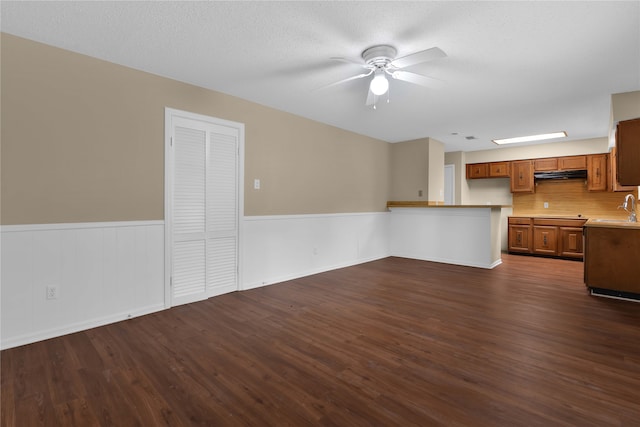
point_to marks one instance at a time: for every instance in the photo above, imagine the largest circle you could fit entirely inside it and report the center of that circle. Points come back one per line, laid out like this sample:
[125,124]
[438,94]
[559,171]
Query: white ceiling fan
[381,61]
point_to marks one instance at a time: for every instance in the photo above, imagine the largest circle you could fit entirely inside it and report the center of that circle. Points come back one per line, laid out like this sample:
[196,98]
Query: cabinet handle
[598,172]
[544,240]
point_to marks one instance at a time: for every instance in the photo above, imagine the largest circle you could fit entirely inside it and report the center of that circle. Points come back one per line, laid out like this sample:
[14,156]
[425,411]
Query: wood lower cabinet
[545,240]
[552,237]
[611,259]
[570,242]
[520,238]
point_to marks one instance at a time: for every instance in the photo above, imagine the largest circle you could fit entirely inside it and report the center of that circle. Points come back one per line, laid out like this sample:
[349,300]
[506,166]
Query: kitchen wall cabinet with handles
[628,145]
[488,170]
[522,176]
[597,175]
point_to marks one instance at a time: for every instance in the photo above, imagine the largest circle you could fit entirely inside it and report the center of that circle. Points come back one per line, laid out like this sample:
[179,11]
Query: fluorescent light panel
[530,138]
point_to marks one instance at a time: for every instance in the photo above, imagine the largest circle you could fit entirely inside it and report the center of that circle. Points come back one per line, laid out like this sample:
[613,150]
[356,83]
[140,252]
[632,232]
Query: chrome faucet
[625,206]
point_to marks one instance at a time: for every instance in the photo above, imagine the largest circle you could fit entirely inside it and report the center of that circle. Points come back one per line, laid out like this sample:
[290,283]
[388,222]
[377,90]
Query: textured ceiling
[512,68]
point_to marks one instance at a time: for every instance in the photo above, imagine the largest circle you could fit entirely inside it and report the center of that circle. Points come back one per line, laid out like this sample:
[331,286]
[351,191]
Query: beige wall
[436,171]
[409,174]
[83,141]
[417,166]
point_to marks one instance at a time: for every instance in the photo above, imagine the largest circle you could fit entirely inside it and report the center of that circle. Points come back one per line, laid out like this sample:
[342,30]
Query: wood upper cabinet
[499,170]
[597,176]
[628,145]
[613,174]
[477,170]
[522,176]
[572,163]
[566,163]
[488,170]
[541,165]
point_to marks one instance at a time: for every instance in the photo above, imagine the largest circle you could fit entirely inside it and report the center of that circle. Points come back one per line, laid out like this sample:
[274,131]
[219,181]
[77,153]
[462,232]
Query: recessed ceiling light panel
[530,138]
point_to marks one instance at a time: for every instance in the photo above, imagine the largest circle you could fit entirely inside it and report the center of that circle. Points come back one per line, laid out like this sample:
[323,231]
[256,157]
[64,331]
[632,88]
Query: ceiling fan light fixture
[379,84]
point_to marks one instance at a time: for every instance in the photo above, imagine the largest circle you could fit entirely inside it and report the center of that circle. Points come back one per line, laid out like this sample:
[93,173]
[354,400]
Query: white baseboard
[77,327]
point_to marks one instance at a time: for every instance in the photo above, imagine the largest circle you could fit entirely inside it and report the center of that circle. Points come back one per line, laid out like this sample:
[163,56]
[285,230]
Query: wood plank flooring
[394,342]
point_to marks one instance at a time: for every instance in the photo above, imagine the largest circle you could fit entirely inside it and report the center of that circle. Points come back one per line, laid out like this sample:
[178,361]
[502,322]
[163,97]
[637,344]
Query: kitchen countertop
[612,223]
[416,204]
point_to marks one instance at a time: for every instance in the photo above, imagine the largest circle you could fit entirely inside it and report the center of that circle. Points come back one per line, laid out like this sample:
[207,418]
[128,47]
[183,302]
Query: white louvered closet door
[204,211]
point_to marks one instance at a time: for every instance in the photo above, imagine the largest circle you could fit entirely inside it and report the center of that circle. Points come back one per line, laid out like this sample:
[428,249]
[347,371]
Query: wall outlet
[419,193]
[546,205]
[52,292]
[256,184]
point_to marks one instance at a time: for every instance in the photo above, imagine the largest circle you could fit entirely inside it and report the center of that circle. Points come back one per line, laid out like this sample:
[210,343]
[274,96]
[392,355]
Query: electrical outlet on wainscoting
[52,292]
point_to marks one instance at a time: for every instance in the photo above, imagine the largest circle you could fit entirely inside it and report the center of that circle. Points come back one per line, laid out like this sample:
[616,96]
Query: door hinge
[171,141]
[171,281]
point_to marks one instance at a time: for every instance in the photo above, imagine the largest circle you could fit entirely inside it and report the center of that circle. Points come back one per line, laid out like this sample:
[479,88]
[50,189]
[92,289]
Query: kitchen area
[579,207]
[572,200]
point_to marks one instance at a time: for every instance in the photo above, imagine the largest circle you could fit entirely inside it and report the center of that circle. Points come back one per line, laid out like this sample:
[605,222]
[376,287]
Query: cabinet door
[572,163]
[570,242]
[597,172]
[545,240]
[499,170]
[550,164]
[628,145]
[522,176]
[520,238]
[477,170]
[613,174]
[611,258]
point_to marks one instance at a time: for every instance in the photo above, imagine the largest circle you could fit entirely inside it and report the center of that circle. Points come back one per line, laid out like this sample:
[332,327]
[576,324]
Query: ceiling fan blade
[359,76]
[418,57]
[418,79]
[348,61]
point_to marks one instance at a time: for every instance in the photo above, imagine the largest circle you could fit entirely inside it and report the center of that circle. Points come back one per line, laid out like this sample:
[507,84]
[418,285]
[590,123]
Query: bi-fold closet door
[203,206]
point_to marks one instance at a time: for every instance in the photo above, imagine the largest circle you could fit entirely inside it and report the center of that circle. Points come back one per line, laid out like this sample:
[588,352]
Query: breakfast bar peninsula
[454,234]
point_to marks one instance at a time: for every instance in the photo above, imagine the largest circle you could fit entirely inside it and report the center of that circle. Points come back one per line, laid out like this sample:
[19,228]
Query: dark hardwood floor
[395,342]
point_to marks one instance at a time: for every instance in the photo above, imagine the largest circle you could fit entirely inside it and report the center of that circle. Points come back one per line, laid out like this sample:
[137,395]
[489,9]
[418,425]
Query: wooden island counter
[454,234]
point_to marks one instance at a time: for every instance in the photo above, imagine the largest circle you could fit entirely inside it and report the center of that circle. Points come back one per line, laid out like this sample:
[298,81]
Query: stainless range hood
[573,174]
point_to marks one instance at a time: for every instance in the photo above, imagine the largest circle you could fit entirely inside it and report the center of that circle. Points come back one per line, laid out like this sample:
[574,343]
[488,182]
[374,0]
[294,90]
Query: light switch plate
[256,184]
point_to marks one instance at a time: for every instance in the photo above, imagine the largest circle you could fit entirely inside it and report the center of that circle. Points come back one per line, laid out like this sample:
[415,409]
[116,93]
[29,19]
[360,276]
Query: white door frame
[169,114]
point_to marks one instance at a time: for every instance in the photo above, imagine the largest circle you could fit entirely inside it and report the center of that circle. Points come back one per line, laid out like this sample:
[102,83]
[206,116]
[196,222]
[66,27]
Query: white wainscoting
[104,272]
[463,236]
[284,247]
